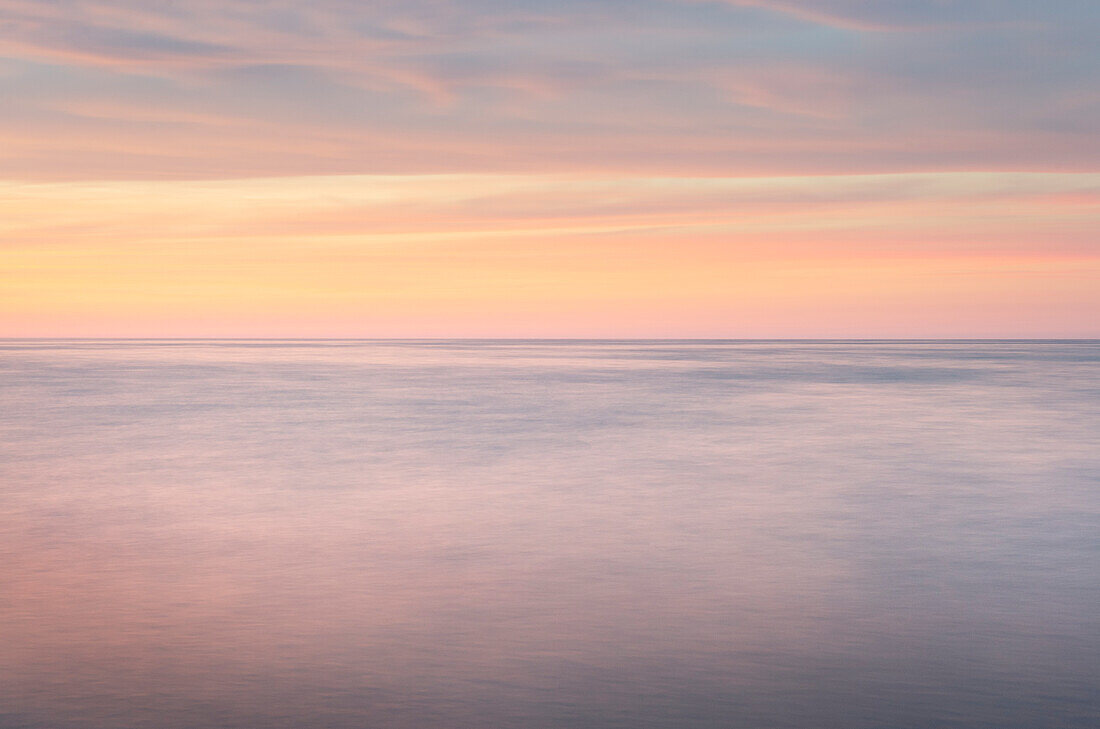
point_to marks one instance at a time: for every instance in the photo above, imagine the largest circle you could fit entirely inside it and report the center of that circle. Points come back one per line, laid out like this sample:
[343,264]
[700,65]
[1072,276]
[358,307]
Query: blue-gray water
[548,535]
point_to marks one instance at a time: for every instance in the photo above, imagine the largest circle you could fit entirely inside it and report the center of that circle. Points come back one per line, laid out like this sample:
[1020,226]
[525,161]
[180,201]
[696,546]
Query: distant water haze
[549,535]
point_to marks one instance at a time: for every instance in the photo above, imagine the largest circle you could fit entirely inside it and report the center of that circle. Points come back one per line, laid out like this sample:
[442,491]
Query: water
[549,534]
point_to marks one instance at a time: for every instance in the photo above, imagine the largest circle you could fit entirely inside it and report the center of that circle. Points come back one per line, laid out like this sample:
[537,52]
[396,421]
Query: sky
[576,168]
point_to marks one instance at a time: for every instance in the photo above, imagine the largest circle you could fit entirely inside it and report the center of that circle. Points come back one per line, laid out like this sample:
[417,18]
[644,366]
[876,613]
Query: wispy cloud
[660,86]
[787,163]
[902,15]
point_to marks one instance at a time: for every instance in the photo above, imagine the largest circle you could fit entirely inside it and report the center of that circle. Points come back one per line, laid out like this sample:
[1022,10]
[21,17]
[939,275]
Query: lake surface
[549,534]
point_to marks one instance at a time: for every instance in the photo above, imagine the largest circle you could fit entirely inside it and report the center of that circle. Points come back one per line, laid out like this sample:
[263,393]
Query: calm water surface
[549,535]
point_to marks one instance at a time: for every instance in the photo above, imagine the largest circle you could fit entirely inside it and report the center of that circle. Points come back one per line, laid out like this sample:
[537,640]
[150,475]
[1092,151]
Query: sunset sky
[525,168]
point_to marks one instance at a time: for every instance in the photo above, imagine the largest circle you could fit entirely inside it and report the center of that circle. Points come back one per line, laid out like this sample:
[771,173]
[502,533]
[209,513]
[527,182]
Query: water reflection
[570,534]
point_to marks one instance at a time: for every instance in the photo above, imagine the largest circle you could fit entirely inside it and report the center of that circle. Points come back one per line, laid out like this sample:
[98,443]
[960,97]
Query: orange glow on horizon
[492,255]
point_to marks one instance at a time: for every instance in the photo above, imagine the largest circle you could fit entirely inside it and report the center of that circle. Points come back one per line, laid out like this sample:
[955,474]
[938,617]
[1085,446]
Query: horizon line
[560,339]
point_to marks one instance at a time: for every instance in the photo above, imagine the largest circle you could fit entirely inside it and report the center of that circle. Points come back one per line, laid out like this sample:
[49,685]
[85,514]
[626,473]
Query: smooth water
[549,534]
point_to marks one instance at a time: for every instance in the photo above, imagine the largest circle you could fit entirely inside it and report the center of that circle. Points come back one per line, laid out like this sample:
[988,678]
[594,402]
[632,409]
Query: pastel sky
[576,168]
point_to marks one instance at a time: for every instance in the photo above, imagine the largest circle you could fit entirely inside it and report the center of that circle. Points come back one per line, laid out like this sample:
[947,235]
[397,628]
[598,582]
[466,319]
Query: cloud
[121,88]
[898,15]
